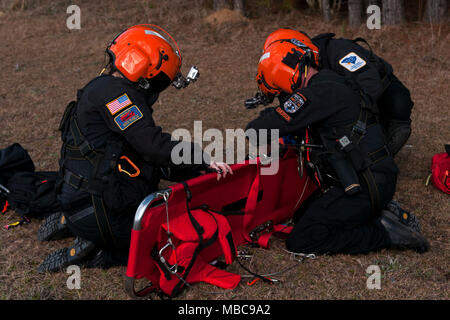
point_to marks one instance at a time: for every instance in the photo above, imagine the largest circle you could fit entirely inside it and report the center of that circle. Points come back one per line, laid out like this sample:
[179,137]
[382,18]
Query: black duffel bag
[33,194]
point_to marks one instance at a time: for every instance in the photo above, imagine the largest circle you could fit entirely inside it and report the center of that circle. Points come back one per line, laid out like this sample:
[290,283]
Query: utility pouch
[345,172]
[340,159]
[354,153]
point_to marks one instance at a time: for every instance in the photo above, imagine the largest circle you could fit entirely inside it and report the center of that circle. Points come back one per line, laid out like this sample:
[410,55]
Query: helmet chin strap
[300,83]
[301,66]
[304,78]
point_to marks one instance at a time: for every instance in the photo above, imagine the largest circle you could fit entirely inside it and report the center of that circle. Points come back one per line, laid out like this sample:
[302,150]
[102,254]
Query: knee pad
[398,133]
[396,103]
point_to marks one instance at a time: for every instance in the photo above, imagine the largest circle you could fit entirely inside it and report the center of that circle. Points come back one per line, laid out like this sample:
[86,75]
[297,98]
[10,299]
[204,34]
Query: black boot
[405,217]
[62,258]
[54,227]
[402,237]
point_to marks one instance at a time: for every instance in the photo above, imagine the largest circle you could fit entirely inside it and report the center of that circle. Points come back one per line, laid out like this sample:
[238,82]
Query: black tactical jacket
[327,103]
[112,113]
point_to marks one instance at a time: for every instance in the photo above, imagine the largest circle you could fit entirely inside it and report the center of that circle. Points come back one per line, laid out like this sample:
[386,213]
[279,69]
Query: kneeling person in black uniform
[347,216]
[370,73]
[113,154]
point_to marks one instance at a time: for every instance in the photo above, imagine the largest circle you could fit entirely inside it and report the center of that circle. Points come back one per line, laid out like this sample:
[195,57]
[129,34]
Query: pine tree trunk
[326,11]
[435,10]
[238,5]
[220,4]
[371,2]
[393,12]
[354,13]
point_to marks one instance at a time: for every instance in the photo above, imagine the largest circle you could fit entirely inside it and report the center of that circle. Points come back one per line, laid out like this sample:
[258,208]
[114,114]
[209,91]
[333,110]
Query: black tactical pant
[82,222]
[338,223]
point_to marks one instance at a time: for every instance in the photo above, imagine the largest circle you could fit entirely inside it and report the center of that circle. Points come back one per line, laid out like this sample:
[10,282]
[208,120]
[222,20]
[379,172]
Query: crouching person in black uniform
[113,155]
[355,170]
[373,75]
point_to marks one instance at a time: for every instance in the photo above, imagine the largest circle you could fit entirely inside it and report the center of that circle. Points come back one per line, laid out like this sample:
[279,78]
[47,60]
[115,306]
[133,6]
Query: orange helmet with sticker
[146,54]
[280,67]
[301,38]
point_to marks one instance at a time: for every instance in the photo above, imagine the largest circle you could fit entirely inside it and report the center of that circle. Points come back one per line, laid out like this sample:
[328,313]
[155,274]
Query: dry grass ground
[43,63]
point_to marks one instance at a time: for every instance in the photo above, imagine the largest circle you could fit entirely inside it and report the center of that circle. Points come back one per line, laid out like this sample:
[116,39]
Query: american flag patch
[118,104]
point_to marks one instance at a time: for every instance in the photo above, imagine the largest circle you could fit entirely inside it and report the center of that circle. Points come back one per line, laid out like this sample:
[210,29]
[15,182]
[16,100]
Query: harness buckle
[85,149]
[359,128]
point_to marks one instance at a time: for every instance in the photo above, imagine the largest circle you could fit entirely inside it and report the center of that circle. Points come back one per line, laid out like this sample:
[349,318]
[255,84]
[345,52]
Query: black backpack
[24,190]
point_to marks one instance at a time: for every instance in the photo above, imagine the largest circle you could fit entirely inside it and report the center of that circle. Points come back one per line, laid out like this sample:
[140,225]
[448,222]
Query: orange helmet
[146,54]
[280,67]
[297,37]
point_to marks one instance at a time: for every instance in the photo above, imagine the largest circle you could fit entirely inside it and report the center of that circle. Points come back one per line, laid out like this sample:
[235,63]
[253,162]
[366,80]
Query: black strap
[73,153]
[206,208]
[359,39]
[75,181]
[379,154]
[385,77]
[198,228]
[103,221]
[265,279]
[155,255]
[360,127]
[374,194]
[202,244]
[85,149]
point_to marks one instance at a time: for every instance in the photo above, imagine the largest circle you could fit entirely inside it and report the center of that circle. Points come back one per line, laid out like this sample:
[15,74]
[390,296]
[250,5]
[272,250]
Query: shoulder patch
[118,104]
[294,103]
[128,117]
[352,62]
[283,114]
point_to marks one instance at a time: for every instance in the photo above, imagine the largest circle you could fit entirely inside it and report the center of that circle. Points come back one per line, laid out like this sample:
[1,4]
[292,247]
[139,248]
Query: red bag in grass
[440,168]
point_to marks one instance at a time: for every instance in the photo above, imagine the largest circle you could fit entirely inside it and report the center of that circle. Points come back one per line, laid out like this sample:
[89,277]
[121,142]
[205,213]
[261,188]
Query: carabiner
[135,167]
[173,269]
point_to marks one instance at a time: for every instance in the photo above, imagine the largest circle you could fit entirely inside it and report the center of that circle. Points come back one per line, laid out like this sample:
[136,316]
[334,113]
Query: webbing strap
[263,240]
[252,200]
[379,154]
[360,127]
[102,221]
[75,181]
[373,190]
[198,228]
[202,244]
[83,150]
[86,150]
